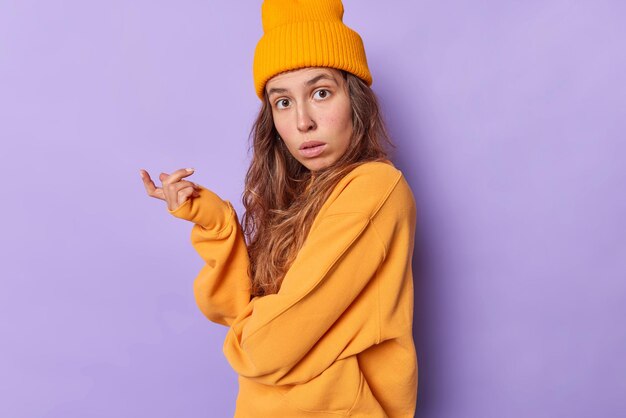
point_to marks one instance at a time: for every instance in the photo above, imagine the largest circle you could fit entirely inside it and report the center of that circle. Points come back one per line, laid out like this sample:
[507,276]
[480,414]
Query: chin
[317,164]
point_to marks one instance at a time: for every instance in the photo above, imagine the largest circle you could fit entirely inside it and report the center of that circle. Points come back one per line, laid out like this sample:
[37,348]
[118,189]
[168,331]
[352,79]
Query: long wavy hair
[282,197]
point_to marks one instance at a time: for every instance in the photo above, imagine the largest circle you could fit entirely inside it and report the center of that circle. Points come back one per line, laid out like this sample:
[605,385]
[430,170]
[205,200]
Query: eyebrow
[308,83]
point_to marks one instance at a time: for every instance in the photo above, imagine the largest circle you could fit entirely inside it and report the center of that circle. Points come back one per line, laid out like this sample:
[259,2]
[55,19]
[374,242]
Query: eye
[281,101]
[325,95]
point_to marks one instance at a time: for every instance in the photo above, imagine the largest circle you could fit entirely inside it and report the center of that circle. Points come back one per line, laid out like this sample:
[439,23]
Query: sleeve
[222,287]
[294,335]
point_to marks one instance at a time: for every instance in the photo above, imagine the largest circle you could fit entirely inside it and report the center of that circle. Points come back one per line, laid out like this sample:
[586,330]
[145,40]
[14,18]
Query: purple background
[509,119]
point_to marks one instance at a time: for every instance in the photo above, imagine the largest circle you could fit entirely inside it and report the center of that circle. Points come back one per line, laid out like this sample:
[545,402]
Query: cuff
[207,210]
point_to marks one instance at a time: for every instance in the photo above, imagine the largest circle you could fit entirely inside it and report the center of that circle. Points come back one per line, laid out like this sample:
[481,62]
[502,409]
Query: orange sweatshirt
[336,340]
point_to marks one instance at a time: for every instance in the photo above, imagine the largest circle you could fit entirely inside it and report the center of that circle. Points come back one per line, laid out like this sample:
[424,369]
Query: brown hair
[282,198]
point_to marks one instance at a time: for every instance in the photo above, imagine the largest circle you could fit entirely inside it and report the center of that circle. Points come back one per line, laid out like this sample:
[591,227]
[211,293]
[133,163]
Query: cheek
[343,123]
[343,115]
[338,121]
[278,124]
[283,127]
[286,133]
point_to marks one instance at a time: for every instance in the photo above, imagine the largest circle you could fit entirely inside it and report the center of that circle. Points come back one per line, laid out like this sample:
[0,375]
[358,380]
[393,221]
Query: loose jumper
[315,284]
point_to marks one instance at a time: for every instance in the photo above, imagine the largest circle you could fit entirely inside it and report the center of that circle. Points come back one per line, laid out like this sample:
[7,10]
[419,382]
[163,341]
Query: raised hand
[175,191]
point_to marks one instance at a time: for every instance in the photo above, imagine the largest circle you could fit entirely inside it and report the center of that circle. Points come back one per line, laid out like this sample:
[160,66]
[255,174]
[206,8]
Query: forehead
[300,76]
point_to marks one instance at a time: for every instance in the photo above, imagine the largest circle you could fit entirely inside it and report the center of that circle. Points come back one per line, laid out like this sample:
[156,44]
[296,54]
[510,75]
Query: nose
[305,119]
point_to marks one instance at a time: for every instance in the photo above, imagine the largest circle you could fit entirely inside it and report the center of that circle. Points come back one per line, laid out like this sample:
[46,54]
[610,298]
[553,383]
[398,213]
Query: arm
[222,287]
[321,312]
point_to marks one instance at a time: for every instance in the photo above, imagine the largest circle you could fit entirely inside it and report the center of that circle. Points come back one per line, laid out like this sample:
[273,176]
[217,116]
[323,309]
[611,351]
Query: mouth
[311,144]
[310,150]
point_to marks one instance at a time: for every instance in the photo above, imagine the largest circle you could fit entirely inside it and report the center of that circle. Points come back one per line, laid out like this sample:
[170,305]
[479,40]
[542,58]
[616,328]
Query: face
[311,107]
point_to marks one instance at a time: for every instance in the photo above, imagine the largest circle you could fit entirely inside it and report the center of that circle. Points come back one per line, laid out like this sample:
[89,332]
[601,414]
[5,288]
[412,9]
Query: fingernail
[141,173]
[189,169]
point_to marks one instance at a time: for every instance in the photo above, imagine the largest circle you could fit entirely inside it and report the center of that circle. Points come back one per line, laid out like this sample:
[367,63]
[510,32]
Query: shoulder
[379,168]
[367,188]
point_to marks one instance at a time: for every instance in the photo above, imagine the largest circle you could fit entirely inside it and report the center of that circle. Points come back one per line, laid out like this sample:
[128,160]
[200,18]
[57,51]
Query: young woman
[315,284]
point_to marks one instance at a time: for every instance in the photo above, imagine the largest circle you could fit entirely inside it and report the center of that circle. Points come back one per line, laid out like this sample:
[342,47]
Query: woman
[315,284]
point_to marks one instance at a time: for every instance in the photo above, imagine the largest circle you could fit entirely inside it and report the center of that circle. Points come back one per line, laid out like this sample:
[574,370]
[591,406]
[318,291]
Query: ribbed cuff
[207,210]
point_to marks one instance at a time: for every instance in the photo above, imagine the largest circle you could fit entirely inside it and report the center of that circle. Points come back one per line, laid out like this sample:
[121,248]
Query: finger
[158,193]
[171,185]
[176,187]
[164,176]
[183,195]
[150,187]
[147,181]
[188,187]
[171,190]
[178,175]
